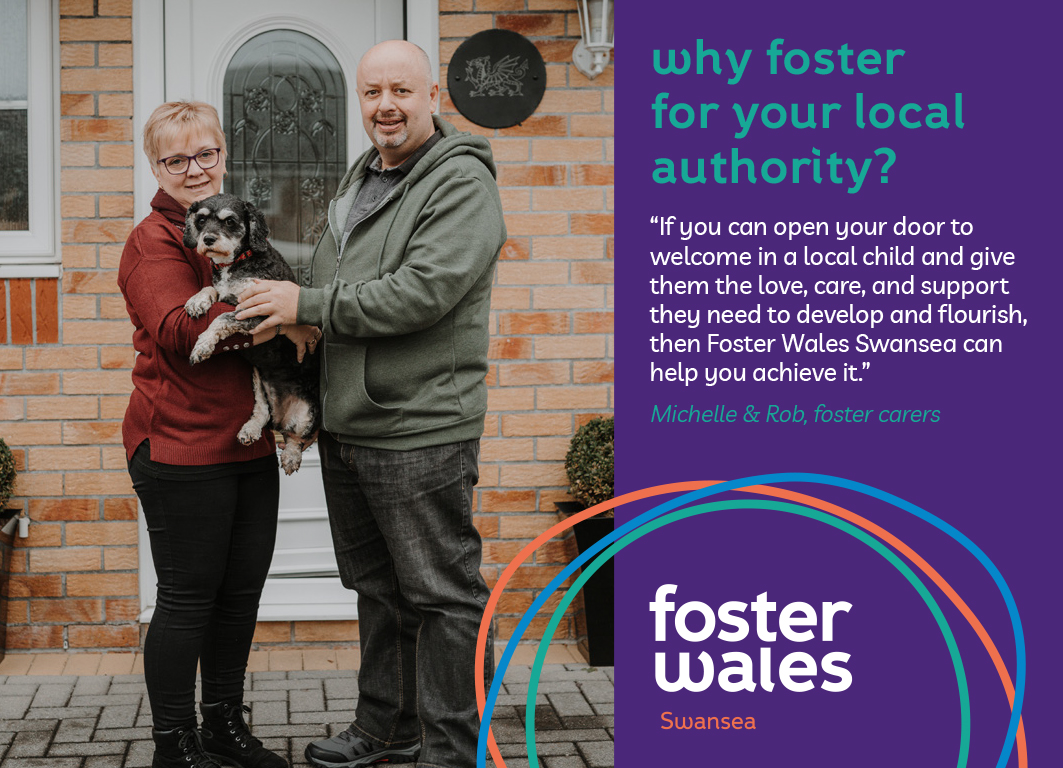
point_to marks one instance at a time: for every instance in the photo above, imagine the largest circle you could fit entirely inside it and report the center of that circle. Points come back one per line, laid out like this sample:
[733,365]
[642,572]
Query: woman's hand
[306,338]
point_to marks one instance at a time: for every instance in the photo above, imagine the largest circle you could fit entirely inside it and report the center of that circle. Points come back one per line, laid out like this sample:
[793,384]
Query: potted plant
[589,465]
[7,490]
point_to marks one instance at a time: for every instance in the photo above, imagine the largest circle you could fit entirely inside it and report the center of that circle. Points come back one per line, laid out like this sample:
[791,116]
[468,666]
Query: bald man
[401,290]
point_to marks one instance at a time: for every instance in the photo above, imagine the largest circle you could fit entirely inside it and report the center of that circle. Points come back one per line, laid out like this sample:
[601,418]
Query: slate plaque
[497,78]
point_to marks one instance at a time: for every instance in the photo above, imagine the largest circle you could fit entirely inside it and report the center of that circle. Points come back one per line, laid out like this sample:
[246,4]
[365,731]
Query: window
[27,182]
[285,114]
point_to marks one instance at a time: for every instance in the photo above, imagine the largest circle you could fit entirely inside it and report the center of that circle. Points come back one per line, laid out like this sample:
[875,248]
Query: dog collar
[214,265]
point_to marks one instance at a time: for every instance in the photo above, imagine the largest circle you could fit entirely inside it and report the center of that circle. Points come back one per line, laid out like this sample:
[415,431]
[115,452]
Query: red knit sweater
[191,414]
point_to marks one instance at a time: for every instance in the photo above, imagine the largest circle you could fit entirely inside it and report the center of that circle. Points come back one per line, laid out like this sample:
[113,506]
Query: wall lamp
[591,54]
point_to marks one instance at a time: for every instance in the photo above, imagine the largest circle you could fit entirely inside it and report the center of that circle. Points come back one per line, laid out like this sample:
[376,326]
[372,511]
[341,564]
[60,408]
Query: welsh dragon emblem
[501,79]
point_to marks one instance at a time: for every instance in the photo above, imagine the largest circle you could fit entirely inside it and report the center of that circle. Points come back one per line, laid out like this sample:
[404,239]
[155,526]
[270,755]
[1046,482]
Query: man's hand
[277,300]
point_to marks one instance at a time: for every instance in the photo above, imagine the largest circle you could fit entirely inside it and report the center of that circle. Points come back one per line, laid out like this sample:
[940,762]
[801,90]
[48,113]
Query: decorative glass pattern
[285,115]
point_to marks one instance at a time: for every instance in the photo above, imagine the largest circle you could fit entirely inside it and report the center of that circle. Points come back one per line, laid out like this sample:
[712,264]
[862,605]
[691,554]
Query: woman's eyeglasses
[178,164]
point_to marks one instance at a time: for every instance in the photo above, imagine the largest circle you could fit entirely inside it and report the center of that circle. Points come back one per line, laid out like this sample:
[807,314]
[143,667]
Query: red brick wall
[64,385]
[552,351]
[32,304]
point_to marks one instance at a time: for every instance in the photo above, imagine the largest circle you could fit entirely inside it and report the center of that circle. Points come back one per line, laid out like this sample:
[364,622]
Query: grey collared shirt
[378,182]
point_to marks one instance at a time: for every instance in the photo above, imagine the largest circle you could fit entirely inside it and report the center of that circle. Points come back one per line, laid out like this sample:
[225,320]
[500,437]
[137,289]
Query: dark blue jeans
[212,530]
[402,528]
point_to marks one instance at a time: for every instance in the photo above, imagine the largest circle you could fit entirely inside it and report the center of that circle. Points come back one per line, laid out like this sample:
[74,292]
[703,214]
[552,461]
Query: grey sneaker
[346,750]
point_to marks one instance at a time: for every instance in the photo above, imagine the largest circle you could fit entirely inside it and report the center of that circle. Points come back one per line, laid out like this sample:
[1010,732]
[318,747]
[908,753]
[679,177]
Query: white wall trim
[422,28]
[149,91]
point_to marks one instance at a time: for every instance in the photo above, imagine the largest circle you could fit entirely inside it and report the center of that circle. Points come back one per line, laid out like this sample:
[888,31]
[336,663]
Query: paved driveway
[104,721]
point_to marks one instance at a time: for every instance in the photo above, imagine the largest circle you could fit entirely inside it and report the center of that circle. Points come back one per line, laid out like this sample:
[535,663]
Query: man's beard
[391,140]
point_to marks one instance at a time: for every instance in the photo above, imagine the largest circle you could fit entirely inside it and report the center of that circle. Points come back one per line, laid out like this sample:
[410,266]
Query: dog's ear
[257,230]
[191,233]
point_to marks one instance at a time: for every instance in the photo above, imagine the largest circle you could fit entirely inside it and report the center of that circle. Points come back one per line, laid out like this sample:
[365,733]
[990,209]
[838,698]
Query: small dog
[232,234]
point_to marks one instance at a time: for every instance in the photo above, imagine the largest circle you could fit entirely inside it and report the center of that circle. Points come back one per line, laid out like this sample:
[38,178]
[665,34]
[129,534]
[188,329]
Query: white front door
[282,75]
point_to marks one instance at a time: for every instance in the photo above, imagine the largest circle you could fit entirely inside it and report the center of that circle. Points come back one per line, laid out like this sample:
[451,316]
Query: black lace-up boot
[180,748]
[227,738]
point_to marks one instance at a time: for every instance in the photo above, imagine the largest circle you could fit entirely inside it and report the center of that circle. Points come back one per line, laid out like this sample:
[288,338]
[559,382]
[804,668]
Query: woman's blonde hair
[175,117]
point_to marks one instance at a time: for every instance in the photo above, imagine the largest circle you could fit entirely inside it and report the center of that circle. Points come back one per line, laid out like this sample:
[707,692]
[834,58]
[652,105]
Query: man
[402,288]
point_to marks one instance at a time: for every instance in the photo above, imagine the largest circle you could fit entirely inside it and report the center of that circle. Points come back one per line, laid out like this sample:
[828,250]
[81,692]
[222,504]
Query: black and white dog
[232,234]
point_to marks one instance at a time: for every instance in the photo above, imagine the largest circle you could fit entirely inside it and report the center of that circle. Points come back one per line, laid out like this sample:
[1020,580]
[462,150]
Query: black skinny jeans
[212,530]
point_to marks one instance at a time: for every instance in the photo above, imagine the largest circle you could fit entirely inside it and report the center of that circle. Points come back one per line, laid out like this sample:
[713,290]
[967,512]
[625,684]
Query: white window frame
[33,252]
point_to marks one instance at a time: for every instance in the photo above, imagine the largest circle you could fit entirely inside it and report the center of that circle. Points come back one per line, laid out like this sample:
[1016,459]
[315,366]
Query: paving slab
[545,686]
[519,700]
[563,761]
[287,685]
[91,748]
[312,700]
[137,688]
[590,721]
[341,687]
[312,674]
[104,761]
[577,735]
[14,707]
[140,754]
[563,672]
[570,704]
[30,744]
[60,713]
[550,748]
[118,716]
[339,705]
[259,676]
[120,734]
[76,729]
[105,700]
[597,691]
[53,694]
[597,754]
[94,685]
[16,726]
[14,686]
[343,718]
[252,696]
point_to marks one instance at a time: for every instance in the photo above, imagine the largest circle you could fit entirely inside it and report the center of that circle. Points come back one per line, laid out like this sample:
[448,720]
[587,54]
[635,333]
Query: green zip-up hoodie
[404,302]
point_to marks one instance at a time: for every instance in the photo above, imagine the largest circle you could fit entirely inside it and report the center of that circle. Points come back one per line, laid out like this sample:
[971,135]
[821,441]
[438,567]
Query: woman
[210,502]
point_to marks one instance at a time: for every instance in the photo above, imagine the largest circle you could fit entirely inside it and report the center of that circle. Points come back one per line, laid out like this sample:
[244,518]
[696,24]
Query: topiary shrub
[589,462]
[7,474]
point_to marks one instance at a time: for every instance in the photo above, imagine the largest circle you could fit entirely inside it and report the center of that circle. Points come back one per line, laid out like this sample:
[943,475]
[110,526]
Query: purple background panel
[988,467]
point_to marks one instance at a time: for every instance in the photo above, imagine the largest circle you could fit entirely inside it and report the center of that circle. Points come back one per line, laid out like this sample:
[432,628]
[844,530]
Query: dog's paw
[249,433]
[200,352]
[201,302]
[291,457]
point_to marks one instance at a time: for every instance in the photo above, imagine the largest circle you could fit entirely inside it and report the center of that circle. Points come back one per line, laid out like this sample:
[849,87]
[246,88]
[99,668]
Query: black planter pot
[6,541]
[598,591]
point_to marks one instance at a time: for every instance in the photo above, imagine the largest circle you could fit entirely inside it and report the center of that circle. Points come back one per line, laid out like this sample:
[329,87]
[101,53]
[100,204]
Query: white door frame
[149,90]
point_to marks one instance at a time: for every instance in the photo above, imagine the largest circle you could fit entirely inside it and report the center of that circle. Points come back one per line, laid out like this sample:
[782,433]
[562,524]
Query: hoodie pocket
[348,408]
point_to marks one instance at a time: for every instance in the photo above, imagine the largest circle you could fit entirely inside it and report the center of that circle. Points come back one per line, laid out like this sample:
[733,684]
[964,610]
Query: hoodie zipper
[339,257]
[347,235]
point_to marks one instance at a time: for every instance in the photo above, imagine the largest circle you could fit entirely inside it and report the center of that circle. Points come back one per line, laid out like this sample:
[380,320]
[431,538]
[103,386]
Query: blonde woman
[210,502]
